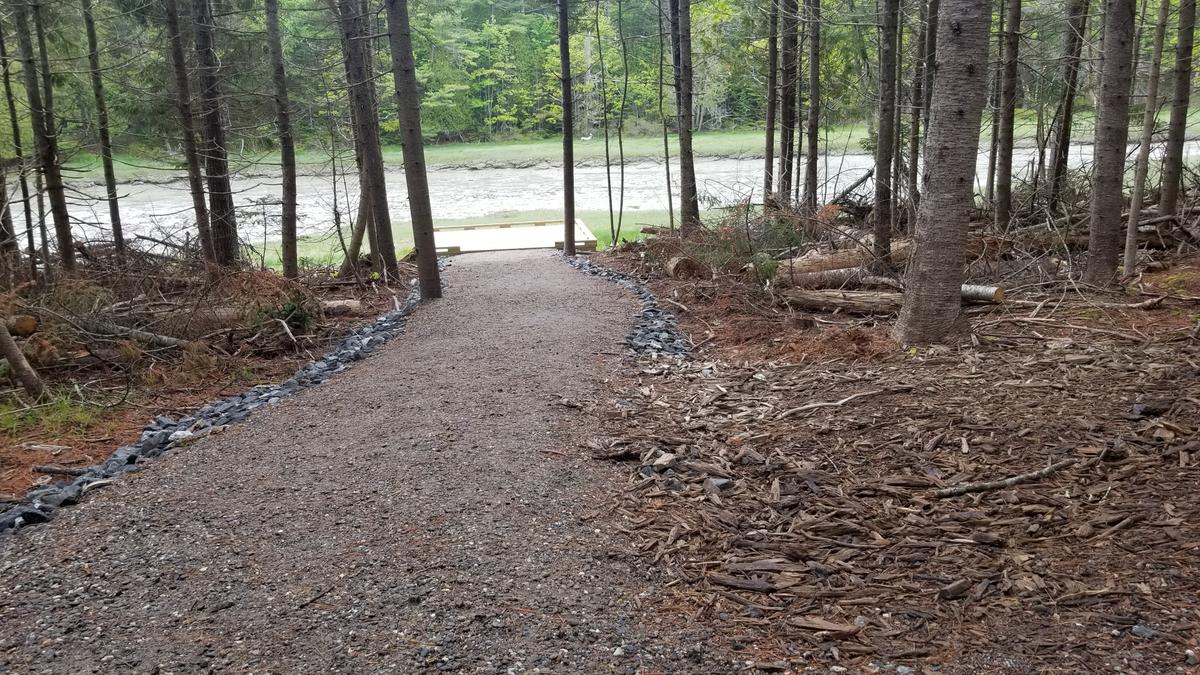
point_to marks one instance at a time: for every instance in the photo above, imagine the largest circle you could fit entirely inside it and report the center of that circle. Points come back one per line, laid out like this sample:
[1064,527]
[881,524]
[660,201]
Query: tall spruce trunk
[106,154]
[187,127]
[1148,118]
[45,132]
[287,144]
[885,140]
[930,59]
[408,109]
[918,110]
[689,208]
[1172,172]
[789,33]
[814,103]
[364,101]
[932,308]
[1008,114]
[222,216]
[568,122]
[989,189]
[772,100]
[19,154]
[1077,14]
[1112,133]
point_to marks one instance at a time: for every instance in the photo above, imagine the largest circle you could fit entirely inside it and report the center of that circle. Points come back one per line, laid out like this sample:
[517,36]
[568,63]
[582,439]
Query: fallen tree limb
[57,470]
[989,486]
[152,339]
[872,302]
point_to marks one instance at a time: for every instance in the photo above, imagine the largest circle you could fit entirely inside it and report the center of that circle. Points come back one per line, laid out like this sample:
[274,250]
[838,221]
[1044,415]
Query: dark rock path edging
[166,433]
[656,330]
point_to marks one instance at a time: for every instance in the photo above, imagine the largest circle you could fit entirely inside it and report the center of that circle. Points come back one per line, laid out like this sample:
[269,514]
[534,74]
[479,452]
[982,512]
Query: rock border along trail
[428,509]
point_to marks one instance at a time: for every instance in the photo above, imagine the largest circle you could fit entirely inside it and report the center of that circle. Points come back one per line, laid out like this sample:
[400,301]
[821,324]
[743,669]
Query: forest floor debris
[118,347]
[799,479]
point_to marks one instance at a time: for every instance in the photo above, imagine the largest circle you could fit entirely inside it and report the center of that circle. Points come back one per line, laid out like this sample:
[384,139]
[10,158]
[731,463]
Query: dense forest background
[489,70]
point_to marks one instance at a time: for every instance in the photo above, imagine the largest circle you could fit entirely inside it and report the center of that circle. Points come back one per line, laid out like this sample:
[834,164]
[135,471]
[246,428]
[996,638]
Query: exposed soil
[787,477]
[427,510]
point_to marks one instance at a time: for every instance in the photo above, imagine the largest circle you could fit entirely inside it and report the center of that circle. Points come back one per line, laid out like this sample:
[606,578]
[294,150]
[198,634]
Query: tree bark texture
[364,101]
[885,140]
[568,125]
[1172,172]
[45,132]
[772,99]
[1007,115]
[1148,119]
[689,199]
[1077,12]
[106,157]
[222,216]
[814,104]
[1112,133]
[287,144]
[932,301]
[408,108]
[187,126]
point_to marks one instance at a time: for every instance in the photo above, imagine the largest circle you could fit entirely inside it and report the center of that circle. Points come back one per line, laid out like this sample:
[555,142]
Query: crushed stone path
[428,510]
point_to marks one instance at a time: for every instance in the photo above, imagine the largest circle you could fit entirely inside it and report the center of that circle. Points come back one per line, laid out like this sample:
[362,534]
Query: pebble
[1190,658]
[656,331]
[1143,631]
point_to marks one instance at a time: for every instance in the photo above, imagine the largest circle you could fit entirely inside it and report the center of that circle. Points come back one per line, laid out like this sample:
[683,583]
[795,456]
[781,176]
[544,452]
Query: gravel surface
[429,509]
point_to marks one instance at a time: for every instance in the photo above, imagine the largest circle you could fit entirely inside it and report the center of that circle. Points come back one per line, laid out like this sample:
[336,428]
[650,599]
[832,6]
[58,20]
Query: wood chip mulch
[797,506]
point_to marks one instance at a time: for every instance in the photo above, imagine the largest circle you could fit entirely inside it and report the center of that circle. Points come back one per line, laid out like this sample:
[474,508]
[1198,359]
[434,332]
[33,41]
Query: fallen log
[814,261]
[872,302]
[57,470]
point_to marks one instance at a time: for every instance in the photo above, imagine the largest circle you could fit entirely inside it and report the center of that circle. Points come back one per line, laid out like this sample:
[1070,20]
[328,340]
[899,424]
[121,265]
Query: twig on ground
[988,486]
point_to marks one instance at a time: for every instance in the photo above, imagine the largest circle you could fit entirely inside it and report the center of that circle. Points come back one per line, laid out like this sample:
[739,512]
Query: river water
[462,193]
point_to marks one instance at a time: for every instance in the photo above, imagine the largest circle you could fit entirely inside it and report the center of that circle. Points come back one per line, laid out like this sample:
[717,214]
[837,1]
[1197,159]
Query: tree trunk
[19,154]
[222,217]
[287,144]
[1172,172]
[364,101]
[885,140]
[1112,132]
[45,133]
[772,99]
[989,189]
[932,301]
[662,114]
[568,124]
[1077,13]
[17,362]
[1148,118]
[918,107]
[814,103]
[931,27]
[1008,113]
[787,96]
[690,203]
[187,125]
[106,159]
[408,107]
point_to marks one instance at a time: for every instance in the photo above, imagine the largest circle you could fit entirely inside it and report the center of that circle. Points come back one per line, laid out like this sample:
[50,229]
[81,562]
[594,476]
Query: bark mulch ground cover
[1024,502]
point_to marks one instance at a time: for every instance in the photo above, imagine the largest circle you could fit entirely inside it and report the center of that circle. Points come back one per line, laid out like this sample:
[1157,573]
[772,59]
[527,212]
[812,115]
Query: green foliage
[58,416]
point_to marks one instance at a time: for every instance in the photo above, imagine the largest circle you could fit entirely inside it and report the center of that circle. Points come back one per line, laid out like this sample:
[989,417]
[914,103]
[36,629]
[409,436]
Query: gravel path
[427,510]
